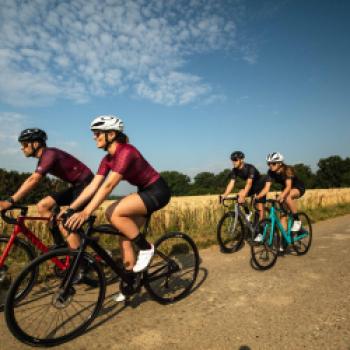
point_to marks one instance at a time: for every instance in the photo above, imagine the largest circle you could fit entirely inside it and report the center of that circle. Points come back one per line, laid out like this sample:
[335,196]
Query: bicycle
[275,238]
[236,225]
[16,253]
[57,309]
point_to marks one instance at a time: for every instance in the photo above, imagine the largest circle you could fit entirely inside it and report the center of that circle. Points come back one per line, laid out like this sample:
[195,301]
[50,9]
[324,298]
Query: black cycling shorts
[156,195]
[67,196]
[257,188]
[301,190]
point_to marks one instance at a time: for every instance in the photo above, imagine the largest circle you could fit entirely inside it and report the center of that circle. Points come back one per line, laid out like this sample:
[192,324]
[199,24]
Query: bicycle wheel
[45,317]
[173,269]
[303,238]
[230,232]
[264,254]
[20,255]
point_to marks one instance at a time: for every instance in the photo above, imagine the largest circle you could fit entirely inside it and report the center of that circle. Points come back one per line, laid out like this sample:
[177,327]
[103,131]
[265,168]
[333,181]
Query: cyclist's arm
[247,187]
[265,190]
[88,192]
[229,188]
[287,189]
[30,183]
[103,192]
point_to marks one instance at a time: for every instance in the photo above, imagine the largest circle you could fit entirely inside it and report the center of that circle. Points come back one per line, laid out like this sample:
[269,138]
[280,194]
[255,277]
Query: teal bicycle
[276,240]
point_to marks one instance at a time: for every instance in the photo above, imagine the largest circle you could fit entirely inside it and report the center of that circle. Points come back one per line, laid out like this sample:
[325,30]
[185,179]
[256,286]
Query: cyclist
[292,187]
[254,181]
[55,162]
[122,162]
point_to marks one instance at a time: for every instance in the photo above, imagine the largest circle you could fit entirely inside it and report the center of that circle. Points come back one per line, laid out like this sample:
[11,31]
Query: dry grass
[198,215]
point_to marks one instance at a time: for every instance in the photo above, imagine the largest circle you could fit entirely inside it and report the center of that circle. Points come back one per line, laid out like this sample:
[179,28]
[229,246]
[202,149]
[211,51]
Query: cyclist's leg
[64,198]
[291,200]
[125,244]
[45,205]
[294,194]
[284,220]
[125,213]
[260,203]
[134,206]
[126,217]
[260,207]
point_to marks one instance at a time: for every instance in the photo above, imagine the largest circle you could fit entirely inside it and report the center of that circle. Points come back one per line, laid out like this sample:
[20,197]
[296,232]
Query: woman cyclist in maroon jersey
[123,162]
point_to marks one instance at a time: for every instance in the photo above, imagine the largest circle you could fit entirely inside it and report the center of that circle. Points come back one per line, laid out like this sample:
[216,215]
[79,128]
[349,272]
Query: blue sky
[192,80]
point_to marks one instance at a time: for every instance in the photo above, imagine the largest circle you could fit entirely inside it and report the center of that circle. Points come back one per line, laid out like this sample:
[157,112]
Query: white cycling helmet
[107,123]
[274,157]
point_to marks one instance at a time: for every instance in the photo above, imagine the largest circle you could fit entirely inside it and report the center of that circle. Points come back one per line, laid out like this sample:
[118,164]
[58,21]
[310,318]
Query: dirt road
[302,303]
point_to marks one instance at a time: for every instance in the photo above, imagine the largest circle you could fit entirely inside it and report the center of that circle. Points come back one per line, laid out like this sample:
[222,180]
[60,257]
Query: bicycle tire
[230,242]
[31,319]
[173,269]
[20,255]
[303,245]
[264,254]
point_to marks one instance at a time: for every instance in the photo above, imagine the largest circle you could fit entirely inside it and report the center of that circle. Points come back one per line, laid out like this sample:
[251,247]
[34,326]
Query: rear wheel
[264,254]
[20,255]
[173,269]
[45,316]
[303,238]
[230,232]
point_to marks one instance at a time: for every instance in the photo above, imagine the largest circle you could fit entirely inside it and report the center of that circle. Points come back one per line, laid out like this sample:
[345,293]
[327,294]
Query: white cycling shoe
[143,259]
[119,297]
[296,226]
[258,238]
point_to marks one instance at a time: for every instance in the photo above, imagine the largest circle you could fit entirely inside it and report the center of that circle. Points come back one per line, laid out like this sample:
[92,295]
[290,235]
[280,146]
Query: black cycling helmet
[237,155]
[31,135]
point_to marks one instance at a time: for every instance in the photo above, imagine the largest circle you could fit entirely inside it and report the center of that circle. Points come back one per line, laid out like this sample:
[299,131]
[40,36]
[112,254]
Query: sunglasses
[25,144]
[235,159]
[97,133]
[272,163]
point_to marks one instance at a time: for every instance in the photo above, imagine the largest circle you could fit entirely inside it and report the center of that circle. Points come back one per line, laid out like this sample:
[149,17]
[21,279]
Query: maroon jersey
[129,162]
[62,165]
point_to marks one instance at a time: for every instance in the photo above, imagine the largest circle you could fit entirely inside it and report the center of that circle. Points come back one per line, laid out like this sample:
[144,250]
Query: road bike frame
[20,227]
[250,225]
[275,221]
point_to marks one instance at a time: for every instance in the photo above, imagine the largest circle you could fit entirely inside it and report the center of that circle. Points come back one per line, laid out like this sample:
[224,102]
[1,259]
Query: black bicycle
[60,306]
[236,225]
[23,245]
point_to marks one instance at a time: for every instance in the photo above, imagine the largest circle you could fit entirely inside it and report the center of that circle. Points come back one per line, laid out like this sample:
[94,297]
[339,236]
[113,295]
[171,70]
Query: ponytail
[122,138]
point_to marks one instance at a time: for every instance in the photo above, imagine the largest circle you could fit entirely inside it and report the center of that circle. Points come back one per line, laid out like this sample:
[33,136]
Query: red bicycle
[16,253]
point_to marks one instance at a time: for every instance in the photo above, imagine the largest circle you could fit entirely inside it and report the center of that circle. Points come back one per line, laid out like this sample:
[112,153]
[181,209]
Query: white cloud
[81,48]
[11,126]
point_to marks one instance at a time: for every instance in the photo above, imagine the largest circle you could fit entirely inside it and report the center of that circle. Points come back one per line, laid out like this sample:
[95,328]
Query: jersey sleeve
[251,172]
[103,169]
[233,174]
[46,162]
[269,177]
[124,160]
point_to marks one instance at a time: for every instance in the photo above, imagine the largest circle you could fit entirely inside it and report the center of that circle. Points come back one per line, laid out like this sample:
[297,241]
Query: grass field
[198,215]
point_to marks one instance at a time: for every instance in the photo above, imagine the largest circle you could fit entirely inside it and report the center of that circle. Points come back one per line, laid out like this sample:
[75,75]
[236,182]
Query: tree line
[332,172]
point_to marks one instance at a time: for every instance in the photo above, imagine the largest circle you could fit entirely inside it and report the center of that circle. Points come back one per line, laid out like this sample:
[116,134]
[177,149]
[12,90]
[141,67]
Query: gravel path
[301,303]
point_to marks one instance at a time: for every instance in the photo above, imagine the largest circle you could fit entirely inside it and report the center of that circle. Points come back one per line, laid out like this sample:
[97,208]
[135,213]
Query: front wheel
[20,255]
[264,253]
[230,232]
[47,316]
[173,269]
[302,239]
